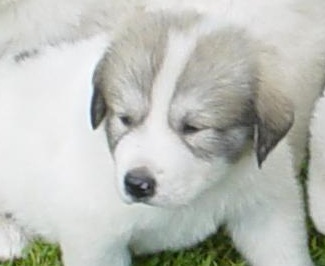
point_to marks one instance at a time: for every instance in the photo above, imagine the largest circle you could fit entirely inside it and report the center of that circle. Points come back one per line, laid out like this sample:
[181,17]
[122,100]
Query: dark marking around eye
[229,143]
[188,129]
[126,120]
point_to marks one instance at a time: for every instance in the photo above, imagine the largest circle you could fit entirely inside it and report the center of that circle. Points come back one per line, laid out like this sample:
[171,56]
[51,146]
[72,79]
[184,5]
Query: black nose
[139,184]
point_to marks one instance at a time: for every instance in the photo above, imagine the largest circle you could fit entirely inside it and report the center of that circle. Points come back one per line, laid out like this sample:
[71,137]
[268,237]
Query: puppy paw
[12,240]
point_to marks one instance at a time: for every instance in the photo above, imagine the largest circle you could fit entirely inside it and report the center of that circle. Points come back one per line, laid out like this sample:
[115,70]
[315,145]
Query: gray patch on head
[215,93]
[229,143]
[127,71]
[24,55]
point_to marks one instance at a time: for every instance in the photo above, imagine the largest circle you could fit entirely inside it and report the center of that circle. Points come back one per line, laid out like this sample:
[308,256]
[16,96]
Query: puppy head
[182,104]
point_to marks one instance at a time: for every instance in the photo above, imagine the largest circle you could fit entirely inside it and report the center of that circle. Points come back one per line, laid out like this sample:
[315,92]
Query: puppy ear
[98,108]
[275,116]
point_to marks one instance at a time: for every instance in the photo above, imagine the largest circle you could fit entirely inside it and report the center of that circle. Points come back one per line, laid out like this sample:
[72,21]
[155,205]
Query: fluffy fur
[316,181]
[47,140]
[25,25]
[198,98]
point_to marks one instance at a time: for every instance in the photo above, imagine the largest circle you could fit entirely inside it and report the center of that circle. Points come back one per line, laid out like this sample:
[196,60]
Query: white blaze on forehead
[179,48]
[153,145]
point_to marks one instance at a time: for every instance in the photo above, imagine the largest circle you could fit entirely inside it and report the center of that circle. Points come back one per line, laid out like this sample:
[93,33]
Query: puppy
[316,180]
[196,107]
[52,162]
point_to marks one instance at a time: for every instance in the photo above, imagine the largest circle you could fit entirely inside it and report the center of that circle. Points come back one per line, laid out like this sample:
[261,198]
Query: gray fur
[127,71]
[98,108]
[218,92]
[219,82]
[275,116]
[23,55]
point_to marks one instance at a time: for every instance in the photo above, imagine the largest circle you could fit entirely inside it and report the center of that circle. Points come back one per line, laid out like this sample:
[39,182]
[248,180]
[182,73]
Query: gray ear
[98,108]
[275,116]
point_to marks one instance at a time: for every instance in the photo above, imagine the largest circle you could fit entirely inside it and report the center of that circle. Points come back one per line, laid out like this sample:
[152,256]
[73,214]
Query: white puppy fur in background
[191,104]
[316,177]
[27,24]
[52,161]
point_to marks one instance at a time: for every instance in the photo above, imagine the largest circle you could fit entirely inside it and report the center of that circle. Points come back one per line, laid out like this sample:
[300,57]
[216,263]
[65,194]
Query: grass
[215,251]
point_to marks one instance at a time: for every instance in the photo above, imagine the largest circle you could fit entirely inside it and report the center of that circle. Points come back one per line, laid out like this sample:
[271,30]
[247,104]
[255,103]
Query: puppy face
[179,101]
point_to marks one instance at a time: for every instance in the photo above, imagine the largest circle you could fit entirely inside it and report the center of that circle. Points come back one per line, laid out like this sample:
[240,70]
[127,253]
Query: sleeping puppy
[202,113]
[196,108]
[316,178]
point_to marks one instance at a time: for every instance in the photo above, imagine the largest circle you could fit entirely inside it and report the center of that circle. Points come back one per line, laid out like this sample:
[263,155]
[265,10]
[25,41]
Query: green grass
[216,251]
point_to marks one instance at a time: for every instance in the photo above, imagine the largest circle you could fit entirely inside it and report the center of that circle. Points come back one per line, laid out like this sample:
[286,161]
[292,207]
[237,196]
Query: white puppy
[195,104]
[316,179]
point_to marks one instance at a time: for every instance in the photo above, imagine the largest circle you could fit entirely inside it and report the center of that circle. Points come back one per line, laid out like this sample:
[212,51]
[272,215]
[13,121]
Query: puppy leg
[316,182]
[88,251]
[85,256]
[12,239]
[276,236]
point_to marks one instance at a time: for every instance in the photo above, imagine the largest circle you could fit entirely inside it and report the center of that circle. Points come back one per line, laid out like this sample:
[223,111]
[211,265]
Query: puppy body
[56,171]
[64,190]
[170,96]
[191,98]
[180,114]
[316,181]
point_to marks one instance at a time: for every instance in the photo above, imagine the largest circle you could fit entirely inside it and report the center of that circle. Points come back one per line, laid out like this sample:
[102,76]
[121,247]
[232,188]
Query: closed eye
[188,129]
[126,120]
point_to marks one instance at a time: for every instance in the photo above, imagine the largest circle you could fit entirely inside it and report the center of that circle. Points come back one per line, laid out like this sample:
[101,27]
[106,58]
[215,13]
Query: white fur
[28,24]
[178,50]
[54,165]
[57,174]
[12,239]
[316,181]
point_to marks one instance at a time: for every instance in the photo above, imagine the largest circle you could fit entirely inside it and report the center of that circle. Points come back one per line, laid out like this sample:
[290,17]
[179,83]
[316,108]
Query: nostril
[139,183]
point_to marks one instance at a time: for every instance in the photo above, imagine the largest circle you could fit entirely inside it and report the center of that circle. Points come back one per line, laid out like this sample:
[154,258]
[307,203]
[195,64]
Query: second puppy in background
[27,24]
[316,179]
